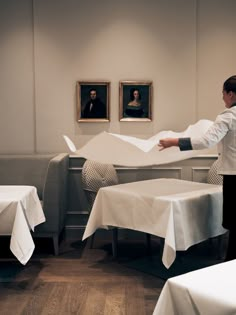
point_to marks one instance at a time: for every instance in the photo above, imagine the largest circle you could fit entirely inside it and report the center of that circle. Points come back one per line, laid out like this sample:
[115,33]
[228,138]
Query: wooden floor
[80,281]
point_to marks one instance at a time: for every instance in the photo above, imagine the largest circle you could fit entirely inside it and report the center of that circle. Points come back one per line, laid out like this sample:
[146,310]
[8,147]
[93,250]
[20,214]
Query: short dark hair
[230,84]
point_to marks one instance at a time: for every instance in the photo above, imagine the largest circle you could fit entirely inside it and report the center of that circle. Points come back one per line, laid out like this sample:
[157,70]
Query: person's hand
[167,143]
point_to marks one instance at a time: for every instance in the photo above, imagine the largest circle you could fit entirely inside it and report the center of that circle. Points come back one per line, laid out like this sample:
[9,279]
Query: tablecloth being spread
[131,151]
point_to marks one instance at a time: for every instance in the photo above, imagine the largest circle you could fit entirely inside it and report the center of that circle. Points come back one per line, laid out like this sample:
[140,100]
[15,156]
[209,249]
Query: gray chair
[96,175]
[213,177]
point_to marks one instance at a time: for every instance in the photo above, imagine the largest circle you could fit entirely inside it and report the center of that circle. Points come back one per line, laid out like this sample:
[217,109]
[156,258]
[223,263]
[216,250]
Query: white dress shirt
[222,133]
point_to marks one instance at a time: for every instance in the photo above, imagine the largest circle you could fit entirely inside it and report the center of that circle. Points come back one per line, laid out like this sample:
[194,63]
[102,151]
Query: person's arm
[214,134]
[183,143]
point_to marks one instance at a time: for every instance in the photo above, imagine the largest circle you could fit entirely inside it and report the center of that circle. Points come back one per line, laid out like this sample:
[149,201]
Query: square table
[207,291]
[20,212]
[182,212]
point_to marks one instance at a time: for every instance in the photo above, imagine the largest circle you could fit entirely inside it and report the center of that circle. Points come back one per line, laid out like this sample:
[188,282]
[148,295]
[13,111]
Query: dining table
[20,212]
[207,291]
[181,212]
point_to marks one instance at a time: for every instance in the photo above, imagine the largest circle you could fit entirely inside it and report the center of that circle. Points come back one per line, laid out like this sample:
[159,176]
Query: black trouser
[229,213]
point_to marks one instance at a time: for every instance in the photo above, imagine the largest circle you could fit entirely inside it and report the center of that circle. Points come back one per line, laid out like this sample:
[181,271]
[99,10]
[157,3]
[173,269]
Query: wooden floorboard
[79,281]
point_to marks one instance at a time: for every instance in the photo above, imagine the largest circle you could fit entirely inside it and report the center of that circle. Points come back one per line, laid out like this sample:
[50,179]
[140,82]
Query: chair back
[96,175]
[213,177]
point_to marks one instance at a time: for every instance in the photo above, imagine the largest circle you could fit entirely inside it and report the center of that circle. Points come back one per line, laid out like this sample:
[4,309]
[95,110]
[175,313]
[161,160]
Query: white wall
[186,47]
[17,117]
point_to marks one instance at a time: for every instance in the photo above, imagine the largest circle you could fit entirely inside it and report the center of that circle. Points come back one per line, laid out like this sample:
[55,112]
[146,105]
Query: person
[134,107]
[94,108]
[223,133]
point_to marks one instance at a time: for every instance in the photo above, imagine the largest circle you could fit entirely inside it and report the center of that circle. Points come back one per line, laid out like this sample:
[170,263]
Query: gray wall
[186,47]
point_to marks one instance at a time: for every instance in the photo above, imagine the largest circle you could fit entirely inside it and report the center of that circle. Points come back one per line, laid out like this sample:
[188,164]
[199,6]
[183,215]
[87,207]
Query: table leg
[114,242]
[149,247]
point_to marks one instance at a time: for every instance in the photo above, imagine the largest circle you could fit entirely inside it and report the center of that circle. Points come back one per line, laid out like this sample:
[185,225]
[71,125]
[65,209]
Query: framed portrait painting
[93,101]
[135,102]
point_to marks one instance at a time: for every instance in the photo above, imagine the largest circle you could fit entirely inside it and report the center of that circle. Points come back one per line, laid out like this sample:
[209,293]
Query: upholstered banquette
[49,174]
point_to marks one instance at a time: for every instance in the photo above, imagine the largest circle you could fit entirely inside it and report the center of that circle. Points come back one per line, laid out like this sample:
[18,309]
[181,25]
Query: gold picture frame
[135,100]
[93,98]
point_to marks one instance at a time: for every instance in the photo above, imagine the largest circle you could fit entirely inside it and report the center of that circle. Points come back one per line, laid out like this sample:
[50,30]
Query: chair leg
[114,242]
[56,244]
[92,240]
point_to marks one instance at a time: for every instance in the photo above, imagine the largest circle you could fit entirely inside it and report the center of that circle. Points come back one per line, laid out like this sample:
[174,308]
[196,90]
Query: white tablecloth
[209,291]
[182,212]
[20,212]
[124,150]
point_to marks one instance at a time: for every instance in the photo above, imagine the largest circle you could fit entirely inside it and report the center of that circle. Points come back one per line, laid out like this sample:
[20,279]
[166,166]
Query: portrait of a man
[93,98]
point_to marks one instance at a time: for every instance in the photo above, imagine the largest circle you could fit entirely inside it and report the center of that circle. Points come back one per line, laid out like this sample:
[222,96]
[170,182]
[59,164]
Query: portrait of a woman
[135,100]
[134,107]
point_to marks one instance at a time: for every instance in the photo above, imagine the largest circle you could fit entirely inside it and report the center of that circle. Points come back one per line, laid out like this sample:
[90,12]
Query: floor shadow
[44,249]
[196,257]
[67,249]
[134,255]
